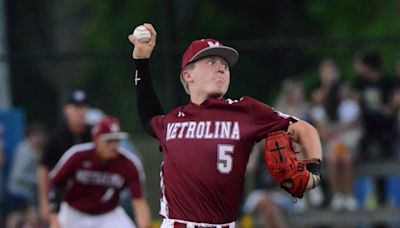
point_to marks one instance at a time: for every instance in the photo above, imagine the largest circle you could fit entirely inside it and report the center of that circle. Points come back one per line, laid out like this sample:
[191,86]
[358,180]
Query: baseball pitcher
[206,143]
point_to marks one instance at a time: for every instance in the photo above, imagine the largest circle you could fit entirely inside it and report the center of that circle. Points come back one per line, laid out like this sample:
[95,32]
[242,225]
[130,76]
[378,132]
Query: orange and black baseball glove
[286,168]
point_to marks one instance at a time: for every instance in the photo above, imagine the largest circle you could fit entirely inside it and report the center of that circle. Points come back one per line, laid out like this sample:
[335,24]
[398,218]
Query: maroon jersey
[206,149]
[93,186]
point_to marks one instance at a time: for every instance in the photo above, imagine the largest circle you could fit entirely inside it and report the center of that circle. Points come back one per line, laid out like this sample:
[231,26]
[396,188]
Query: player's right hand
[143,50]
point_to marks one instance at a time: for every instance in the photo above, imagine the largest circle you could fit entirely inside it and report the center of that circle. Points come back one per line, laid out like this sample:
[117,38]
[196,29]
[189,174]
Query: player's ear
[187,76]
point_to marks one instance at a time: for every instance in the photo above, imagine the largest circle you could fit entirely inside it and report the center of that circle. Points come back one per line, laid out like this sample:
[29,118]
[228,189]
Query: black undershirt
[148,103]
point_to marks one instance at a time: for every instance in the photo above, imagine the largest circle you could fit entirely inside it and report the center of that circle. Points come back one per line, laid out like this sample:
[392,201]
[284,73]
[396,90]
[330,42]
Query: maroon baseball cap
[209,47]
[108,129]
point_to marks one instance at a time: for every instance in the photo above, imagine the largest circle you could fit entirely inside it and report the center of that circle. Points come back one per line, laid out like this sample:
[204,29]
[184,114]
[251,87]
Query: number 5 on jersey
[224,159]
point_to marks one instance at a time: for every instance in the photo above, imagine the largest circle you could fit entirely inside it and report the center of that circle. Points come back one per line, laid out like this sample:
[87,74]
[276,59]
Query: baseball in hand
[142,34]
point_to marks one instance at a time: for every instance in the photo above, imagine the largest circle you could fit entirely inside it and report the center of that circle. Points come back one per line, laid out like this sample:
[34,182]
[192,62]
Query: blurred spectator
[325,99]
[394,105]
[73,131]
[397,72]
[2,157]
[267,201]
[2,161]
[344,138]
[330,81]
[374,91]
[318,114]
[21,189]
[329,74]
[336,115]
[291,99]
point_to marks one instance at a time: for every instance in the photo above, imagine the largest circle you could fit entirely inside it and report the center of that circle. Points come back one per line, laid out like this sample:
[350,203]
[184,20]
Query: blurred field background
[49,48]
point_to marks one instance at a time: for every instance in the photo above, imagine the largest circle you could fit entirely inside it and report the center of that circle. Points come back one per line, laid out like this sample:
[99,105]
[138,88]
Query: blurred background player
[73,131]
[98,171]
[21,194]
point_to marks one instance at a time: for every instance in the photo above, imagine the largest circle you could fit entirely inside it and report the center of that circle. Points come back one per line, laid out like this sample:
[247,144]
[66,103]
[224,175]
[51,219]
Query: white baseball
[142,34]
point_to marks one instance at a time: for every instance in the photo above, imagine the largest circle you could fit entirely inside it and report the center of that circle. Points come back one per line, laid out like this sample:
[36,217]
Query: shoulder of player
[175,110]
[253,101]
[72,153]
[78,150]
[244,101]
[132,159]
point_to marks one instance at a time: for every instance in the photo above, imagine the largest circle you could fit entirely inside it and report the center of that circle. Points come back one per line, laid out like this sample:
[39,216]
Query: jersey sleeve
[135,181]
[157,124]
[267,120]
[147,100]
[135,184]
[135,174]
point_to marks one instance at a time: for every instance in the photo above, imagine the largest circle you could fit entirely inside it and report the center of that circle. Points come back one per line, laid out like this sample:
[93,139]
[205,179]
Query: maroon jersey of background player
[93,186]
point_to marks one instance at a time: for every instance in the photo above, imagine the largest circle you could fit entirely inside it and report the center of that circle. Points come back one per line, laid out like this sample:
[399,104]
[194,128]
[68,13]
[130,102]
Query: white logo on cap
[211,44]
[114,128]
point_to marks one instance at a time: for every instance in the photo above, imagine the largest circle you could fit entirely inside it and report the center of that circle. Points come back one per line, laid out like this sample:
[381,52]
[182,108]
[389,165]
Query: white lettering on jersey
[190,131]
[107,195]
[200,130]
[183,126]
[203,130]
[207,134]
[216,130]
[235,131]
[225,129]
[90,177]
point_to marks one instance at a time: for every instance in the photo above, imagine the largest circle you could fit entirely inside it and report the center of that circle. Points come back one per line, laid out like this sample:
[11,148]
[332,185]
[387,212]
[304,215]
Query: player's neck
[198,100]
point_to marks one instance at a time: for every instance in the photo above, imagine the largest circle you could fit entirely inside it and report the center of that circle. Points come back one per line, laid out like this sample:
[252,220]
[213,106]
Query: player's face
[210,77]
[107,149]
[75,114]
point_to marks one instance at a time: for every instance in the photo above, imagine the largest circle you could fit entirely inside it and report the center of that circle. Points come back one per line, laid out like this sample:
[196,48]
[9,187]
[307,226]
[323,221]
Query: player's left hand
[292,174]
[144,50]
